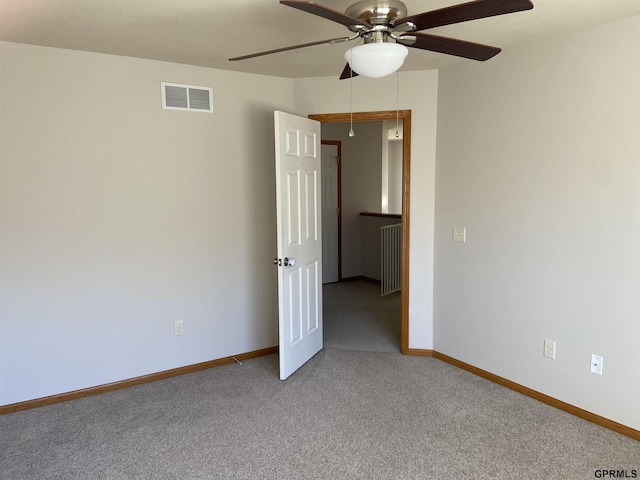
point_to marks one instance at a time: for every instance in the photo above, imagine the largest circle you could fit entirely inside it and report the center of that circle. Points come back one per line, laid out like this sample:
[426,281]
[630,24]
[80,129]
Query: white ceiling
[209,32]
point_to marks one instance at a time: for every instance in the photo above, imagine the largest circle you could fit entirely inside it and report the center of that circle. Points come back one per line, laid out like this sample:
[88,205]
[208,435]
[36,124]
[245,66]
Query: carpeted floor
[346,414]
[357,318]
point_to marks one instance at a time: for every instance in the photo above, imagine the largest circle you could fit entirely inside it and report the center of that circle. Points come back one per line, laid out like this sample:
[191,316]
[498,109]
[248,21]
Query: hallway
[357,318]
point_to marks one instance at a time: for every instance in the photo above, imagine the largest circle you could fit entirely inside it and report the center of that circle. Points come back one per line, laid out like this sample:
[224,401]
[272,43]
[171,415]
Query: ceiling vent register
[187,97]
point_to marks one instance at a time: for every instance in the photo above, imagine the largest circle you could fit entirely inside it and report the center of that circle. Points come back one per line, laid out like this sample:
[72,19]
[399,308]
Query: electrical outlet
[459,234]
[550,349]
[596,364]
[178,327]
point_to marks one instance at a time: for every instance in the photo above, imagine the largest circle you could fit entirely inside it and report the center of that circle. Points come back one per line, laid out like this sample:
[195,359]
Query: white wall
[539,157]
[361,179]
[392,167]
[418,92]
[394,176]
[118,218]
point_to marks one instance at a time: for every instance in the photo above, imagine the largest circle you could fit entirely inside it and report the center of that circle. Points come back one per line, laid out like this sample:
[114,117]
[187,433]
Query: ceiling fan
[386,30]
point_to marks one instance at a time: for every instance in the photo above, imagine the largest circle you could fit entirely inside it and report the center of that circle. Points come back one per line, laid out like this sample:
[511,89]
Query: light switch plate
[459,234]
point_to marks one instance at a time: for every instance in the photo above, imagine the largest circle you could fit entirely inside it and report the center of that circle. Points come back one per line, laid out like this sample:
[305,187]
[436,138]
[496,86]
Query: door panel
[293,210]
[314,305]
[313,193]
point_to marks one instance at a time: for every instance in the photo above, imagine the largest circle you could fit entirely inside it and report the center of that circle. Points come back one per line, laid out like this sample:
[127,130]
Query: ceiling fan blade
[348,73]
[325,12]
[465,12]
[450,46]
[293,47]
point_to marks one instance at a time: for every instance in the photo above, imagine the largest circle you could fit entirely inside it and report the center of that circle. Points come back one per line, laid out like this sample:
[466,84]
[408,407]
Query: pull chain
[397,104]
[351,132]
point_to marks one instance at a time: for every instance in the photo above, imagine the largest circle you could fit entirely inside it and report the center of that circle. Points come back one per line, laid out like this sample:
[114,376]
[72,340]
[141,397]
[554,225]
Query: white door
[299,239]
[330,212]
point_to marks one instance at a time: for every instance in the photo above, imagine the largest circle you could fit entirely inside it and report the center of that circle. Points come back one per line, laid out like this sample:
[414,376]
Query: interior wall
[118,218]
[394,149]
[539,158]
[418,93]
[392,166]
[361,180]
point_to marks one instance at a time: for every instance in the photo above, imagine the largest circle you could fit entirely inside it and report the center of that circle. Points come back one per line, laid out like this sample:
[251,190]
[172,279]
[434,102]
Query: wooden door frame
[380,116]
[338,144]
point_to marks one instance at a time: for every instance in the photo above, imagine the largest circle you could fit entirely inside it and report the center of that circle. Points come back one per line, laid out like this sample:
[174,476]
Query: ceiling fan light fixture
[376,59]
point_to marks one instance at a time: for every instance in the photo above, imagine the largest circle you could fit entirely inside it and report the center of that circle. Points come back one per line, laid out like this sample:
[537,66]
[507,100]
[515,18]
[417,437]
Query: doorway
[405,116]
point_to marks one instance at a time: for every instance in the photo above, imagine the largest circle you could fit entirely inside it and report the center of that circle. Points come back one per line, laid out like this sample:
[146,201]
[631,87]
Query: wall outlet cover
[550,349]
[178,328]
[596,364]
[460,234]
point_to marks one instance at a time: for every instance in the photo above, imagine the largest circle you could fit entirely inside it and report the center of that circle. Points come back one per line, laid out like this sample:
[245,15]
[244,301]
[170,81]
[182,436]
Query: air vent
[186,97]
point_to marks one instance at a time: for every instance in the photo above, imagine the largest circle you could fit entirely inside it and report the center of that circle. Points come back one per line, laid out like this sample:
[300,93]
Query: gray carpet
[357,318]
[347,414]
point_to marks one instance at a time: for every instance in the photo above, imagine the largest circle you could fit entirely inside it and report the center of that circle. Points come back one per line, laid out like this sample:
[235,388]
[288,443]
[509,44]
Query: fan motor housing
[381,12]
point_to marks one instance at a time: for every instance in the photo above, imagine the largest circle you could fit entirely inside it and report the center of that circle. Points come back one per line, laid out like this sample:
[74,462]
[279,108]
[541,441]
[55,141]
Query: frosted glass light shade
[376,59]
